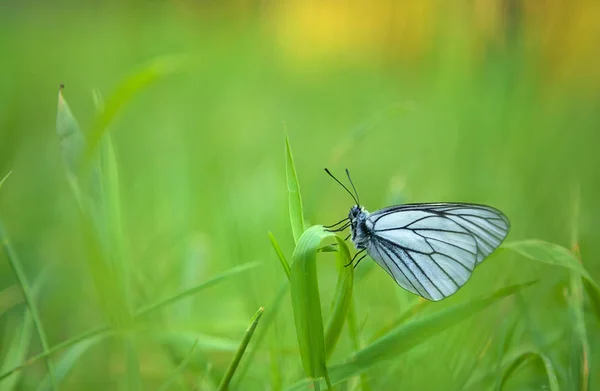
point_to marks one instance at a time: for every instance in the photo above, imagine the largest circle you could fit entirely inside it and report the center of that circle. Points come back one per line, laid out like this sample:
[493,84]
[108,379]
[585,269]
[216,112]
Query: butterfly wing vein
[432,249]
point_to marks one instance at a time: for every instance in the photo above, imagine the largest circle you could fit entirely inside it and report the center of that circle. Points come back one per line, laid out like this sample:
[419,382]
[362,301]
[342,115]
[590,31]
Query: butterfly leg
[333,225]
[359,259]
[343,227]
[354,257]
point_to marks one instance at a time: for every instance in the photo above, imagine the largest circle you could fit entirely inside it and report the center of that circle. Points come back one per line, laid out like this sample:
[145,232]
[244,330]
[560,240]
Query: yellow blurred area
[564,33]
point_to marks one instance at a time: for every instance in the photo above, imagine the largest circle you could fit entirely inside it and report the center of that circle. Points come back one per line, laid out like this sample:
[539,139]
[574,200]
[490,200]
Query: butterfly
[430,249]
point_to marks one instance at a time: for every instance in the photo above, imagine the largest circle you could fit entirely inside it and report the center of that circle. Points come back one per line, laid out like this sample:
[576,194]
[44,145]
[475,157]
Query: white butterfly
[430,249]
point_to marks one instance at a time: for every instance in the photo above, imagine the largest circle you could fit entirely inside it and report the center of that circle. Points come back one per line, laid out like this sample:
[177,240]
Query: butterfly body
[358,226]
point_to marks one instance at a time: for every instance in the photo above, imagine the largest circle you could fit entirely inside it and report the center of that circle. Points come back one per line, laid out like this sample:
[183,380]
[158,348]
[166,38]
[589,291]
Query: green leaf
[280,255]
[295,200]
[306,302]
[412,334]
[342,298]
[553,254]
[240,352]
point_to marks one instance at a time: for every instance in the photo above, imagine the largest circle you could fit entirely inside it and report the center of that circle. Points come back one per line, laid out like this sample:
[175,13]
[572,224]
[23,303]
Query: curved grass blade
[518,360]
[342,298]
[410,335]
[306,302]
[280,256]
[4,179]
[124,93]
[69,360]
[295,200]
[553,254]
[240,352]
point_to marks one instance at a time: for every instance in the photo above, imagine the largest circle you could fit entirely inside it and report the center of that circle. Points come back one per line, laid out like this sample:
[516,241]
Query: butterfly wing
[432,249]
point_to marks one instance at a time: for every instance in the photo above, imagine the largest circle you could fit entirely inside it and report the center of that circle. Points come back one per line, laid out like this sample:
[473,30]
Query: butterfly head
[355,212]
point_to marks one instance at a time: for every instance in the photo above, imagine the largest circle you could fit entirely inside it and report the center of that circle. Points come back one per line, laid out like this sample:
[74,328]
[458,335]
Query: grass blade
[518,360]
[17,269]
[124,93]
[306,302]
[4,179]
[193,290]
[295,200]
[180,368]
[16,351]
[69,360]
[553,254]
[280,256]
[410,335]
[72,140]
[342,298]
[269,318]
[142,312]
[240,352]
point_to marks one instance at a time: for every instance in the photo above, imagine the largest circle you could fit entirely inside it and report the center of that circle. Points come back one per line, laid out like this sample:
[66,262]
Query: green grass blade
[9,297]
[280,255]
[580,344]
[410,335]
[518,360]
[124,93]
[268,319]
[342,298]
[554,254]
[56,348]
[142,312]
[416,307]
[240,352]
[4,179]
[180,368]
[70,358]
[295,200]
[72,140]
[306,302]
[195,289]
[549,253]
[28,294]
[16,351]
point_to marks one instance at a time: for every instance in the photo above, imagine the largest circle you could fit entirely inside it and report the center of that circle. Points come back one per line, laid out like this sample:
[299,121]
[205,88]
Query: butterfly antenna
[341,184]
[353,188]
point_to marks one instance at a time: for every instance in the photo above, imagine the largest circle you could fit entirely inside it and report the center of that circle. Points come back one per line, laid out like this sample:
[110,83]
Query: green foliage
[148,207]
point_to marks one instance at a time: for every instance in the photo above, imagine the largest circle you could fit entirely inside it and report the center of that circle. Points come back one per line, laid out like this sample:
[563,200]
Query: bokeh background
[494,102]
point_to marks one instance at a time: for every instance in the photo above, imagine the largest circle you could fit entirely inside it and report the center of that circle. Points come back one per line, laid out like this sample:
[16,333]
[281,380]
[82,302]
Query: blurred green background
[493,102]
